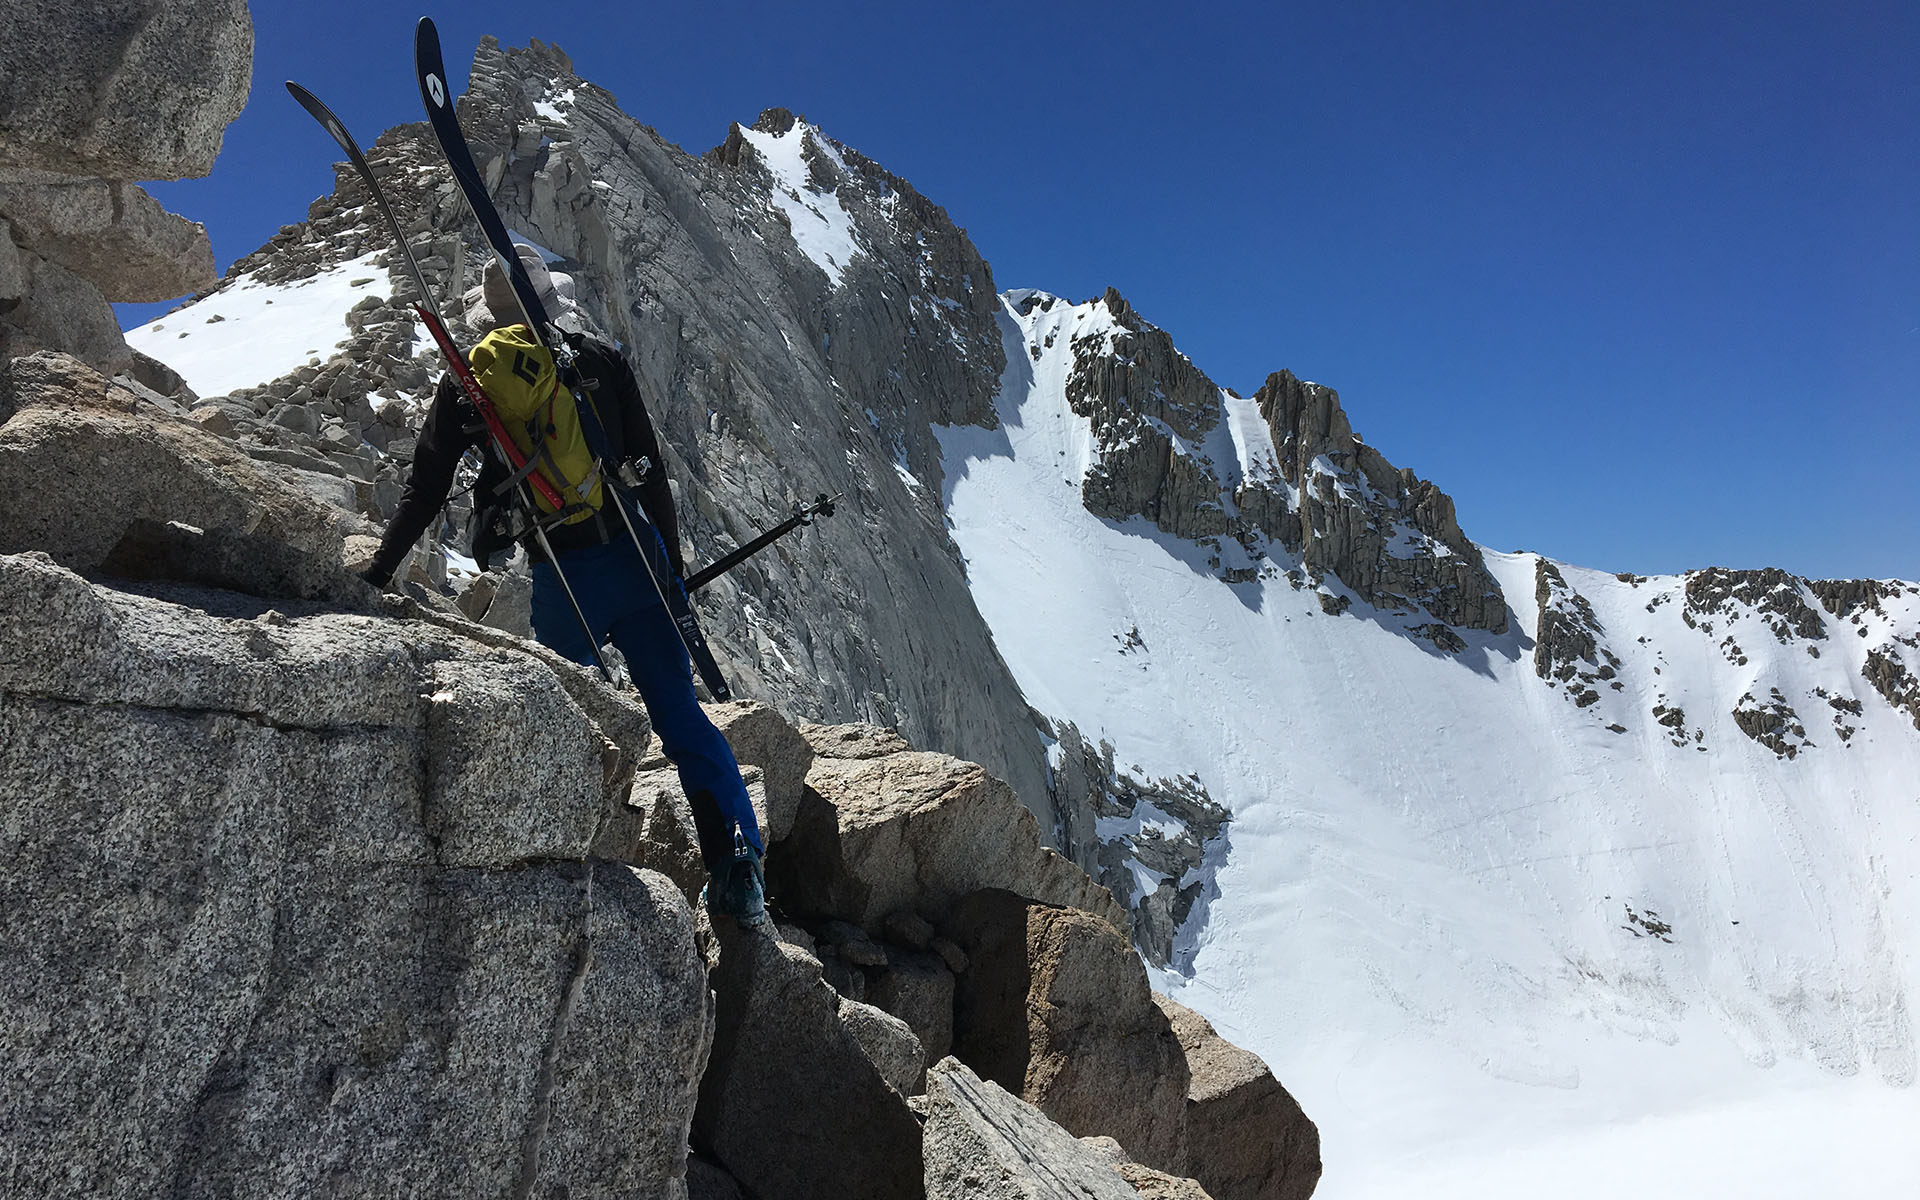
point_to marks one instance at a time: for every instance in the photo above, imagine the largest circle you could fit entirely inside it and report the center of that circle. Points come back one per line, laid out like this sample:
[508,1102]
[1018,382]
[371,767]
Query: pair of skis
[437,95]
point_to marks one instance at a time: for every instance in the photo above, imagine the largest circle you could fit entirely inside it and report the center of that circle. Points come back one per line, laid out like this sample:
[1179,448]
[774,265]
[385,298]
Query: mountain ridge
[1406,719]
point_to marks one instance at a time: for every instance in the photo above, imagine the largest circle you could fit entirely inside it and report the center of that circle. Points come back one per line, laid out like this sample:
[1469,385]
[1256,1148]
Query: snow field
[1441,910]
[1841,1139]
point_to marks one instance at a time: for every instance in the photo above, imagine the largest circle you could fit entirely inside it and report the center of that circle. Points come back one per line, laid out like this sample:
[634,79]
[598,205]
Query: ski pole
[802,515]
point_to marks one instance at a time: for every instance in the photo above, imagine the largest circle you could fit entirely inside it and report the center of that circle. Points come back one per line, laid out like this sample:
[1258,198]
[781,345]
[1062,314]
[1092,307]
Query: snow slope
[253,332]
[1488,942]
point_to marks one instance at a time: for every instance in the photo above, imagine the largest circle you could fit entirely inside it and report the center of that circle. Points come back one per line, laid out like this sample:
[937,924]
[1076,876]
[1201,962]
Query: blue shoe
[742,894]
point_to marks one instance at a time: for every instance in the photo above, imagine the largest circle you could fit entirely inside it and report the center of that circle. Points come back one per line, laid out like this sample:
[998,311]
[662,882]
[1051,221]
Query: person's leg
[612,586]
[709,773]
[555,624]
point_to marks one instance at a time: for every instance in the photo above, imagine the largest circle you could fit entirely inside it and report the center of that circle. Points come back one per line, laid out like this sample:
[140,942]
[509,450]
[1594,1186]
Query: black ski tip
[435,90]
[321,113]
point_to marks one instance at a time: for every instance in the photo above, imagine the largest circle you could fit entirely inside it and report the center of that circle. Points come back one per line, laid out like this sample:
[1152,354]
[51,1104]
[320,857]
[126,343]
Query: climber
[599,561]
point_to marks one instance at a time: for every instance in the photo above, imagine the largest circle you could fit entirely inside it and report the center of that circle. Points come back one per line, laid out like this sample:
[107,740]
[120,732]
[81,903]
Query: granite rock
[917,830]
[113,235]
[889,1043]
[79,465]
[1247,1138]
[791,1104]
[763,738]
[60,311]
[122,89]
[1056,1005]
[299,932]
[984,1143]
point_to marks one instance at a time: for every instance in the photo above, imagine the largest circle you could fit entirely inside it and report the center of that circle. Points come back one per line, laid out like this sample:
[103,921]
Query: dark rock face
[1674,721]
[1773,723]
[1391,537]
[1771,594]
[55,310]
[1567,648]
[1143,397]
[1891,667]
[1055,1007]
[918,988]
[1176,834]
[916,310]
[1847,599]
[1720,600]
[1894,679]
[241,562]
[1312,490]
[1247,1137]
[791,1104]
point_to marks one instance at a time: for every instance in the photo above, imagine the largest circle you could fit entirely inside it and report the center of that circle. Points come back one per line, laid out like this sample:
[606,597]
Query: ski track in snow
[252,332]
[1423,917]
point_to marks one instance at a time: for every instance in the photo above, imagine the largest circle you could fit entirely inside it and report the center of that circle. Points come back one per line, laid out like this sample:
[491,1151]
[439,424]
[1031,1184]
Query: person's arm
[444,437]
[639,441]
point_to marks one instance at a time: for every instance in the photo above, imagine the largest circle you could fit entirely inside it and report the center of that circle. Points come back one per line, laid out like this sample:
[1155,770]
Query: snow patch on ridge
[822,226]
[551,107]
[251,332]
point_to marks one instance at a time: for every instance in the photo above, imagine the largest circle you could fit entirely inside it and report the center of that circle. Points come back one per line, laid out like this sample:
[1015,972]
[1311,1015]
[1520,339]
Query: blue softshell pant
[611,584]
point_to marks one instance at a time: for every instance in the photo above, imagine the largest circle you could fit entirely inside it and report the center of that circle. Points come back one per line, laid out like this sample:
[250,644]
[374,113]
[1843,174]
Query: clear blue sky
[1637,283]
